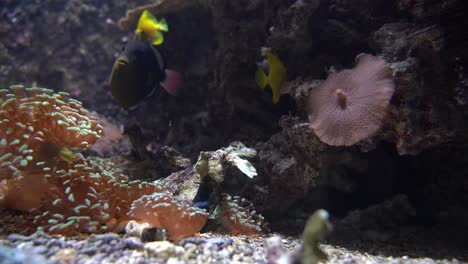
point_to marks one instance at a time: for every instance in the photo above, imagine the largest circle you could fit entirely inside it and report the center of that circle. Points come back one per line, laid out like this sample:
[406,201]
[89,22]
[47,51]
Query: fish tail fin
[162,24]
[261,79]
[172,83]
[157,38]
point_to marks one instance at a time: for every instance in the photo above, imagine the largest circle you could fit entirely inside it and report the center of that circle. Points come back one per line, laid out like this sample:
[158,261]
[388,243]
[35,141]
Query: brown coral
[92,196]
[351,105]
[35,122]
[238,216]
[25,192]
[79,195]
[161,210]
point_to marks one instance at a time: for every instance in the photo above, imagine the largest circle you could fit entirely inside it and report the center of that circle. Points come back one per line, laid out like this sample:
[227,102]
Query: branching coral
[164,211]
[35,120]
[351,105]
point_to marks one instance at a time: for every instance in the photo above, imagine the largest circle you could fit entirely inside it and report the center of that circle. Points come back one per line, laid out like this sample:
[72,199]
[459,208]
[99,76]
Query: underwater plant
[351,105]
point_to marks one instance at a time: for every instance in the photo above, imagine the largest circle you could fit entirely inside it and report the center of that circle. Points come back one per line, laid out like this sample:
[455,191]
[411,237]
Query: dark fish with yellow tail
[138,71]
[276,77]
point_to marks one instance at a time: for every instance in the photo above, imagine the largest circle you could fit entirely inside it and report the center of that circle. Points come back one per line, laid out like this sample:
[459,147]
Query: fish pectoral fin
[275,90]
[261,79]
[151,93]
[173,82]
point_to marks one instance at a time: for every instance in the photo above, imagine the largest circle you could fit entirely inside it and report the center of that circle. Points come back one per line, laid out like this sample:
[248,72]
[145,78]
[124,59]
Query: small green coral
[201,167]
[211,163]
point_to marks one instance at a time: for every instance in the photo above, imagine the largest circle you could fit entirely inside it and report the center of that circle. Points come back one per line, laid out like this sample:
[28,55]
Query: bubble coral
[161,210]
[82,195]
[351,105]
[91,196]
[238,216]
[34,118]
[79,195]
[24,192]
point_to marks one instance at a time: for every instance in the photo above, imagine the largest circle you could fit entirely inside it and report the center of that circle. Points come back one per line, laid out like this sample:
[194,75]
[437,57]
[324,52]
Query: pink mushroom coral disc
[351,105]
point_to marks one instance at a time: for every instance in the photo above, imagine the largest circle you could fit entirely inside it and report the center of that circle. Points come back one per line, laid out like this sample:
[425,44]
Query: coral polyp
[89,197]
[35,120]
[238,216]
[163,211]
[68,193]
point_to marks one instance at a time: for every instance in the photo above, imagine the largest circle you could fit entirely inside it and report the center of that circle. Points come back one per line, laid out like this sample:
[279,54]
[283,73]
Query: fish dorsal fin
[159,58]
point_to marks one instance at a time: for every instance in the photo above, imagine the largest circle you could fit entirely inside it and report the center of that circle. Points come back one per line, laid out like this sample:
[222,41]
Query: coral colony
[35,117]
[239,217]
[164,211]
[68,193]
[351,105]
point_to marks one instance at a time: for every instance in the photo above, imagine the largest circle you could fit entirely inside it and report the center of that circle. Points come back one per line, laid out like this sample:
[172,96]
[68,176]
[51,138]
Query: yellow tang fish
[276,76]
[149,28]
